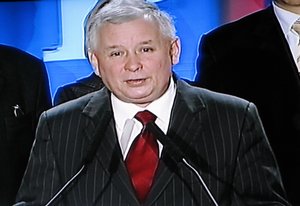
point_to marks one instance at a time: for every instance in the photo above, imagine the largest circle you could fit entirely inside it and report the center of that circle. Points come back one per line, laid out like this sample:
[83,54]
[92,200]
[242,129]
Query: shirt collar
[285,18]
[161,107]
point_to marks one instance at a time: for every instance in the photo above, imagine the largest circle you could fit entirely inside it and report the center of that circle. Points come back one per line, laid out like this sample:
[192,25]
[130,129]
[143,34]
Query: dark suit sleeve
[40,181]
[257,179]
[206,65]
[63,94]
[43,94]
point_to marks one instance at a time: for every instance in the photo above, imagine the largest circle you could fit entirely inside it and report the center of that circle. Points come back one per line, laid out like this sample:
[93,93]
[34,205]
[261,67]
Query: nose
[133,63]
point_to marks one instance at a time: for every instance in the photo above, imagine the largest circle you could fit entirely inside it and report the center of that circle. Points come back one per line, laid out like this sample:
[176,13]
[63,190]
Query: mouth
[135,81]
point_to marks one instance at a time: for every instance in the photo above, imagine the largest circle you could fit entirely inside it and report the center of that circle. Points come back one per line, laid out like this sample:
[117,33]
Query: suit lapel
[110,157]
[108,153]
[183,125]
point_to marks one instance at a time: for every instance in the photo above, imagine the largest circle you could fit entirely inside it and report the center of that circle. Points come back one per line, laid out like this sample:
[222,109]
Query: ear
[175,51]
[94,61]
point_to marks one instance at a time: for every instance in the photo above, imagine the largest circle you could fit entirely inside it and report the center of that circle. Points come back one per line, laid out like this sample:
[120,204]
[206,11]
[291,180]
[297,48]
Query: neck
[294,8]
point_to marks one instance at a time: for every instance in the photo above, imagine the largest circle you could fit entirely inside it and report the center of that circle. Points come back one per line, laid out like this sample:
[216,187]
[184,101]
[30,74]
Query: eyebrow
[146,42]
[118,46]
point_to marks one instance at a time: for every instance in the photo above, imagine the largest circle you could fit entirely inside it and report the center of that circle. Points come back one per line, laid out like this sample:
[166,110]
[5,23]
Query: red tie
[142,158]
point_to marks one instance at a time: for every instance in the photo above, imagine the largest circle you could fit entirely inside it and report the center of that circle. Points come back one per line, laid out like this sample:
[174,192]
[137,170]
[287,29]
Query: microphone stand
[66,185]
[201,180]
[89,157]
[178,155]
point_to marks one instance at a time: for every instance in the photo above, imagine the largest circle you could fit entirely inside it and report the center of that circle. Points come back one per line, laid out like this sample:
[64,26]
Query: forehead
[136,29]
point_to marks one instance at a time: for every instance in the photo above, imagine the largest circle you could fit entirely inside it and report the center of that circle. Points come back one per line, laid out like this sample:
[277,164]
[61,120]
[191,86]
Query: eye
[147,49]
[115,53]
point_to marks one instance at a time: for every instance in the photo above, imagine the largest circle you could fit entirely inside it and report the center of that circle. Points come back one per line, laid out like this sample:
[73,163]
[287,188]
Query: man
[77,89]
[24,95]
[89,145]
[255,58]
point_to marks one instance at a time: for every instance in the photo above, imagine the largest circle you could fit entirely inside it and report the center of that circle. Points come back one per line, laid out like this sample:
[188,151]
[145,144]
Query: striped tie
[142,158]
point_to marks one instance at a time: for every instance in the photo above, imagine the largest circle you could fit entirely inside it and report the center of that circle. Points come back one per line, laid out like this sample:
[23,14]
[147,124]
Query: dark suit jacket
[77,89]
[23,82]
[221,134]
[251,58]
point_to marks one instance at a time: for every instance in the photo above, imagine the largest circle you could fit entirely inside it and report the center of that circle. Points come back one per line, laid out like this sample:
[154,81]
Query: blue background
[36,27]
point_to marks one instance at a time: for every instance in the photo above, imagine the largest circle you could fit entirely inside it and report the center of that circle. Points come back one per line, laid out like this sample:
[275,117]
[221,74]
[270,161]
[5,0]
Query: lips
[135,81]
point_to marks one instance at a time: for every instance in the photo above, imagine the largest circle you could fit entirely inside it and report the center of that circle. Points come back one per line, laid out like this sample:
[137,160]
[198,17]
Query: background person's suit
[77,89]
[23,83]
[251,58]
[219,132]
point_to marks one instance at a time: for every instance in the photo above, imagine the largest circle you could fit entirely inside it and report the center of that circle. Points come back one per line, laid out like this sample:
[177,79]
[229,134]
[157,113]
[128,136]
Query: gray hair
[120,11]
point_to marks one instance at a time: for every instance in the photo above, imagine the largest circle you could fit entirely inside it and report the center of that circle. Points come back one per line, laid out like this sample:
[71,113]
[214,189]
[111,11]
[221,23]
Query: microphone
[176,153]
[88,158]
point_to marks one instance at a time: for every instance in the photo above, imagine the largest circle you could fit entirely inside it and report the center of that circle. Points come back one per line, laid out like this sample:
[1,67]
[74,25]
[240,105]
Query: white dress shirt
[128,127]
[286,20]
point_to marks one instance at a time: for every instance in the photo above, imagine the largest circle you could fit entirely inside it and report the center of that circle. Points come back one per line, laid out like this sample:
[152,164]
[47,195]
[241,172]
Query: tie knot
[296,26]
[145,117]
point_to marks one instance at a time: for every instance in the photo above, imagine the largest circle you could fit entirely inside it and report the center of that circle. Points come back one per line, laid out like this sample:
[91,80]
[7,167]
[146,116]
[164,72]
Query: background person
[83,85]
[255,58]
[77,89]
[24,95]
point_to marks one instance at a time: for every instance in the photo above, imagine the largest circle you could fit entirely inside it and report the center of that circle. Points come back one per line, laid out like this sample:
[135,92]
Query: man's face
[135,60]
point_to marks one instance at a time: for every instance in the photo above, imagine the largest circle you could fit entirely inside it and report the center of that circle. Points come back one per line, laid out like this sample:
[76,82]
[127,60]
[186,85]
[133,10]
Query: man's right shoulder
[72,106]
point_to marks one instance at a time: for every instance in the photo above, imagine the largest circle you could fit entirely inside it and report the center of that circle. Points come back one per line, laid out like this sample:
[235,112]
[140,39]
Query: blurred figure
[82,86]
[24,95]
[256,58]
[77,89]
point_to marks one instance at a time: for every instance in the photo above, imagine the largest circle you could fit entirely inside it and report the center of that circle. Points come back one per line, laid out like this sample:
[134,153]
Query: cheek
[165,65]
[107,69]
[163,71]
[160,62]
[107,74]
[110,75]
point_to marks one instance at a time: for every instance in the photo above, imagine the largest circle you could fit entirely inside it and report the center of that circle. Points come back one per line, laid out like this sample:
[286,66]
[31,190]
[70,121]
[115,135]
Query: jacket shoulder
[12,54]
[71,106]
[208,98]
[244,24]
